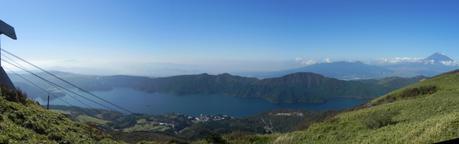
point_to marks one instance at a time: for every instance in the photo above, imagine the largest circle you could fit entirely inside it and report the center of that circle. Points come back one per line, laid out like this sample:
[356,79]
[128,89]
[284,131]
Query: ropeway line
[56,85]
[65,81]
[36,85]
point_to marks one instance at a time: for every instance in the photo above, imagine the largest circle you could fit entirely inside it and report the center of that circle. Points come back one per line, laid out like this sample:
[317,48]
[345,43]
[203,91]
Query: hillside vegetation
[425,112]
[293,88]
[300,87]
[23,121]
[181,128]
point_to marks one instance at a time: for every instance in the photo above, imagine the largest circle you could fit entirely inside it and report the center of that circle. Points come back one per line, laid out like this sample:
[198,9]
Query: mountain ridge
[432,65]
[302,87]
[424,112]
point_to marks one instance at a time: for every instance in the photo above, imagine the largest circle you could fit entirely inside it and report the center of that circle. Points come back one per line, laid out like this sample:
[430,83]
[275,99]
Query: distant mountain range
[314,83]
[435,64]
[341,70]
[303,87]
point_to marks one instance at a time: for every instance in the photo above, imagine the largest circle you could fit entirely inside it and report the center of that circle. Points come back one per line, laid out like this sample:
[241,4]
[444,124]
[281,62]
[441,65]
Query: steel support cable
[35,85]
[69,83]
[23,68]
[54,84]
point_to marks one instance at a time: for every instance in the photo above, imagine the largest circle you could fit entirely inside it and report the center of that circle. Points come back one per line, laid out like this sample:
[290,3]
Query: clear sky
[154,37]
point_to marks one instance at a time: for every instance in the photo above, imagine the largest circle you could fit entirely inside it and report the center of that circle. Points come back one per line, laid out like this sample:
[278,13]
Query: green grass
[28,122]
[60,111]
[425,112]
[89,119]
[144,125]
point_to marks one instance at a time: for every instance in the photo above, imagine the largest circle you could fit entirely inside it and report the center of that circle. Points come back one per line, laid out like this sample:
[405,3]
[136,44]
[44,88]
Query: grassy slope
[30,123]
[403,116]
[90,119]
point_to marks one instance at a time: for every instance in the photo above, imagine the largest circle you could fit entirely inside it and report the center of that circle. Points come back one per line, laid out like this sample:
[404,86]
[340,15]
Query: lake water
[155,103]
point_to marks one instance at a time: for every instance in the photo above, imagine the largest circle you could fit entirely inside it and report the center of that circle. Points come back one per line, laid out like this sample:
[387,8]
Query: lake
[155,103]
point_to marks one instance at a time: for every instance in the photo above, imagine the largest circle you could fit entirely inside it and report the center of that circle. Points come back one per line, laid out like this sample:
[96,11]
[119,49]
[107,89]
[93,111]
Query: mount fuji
[438,58]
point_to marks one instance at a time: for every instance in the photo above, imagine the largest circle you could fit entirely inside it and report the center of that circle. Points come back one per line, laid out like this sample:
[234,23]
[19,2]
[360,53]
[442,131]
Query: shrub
[13,95]
[380,119]
[215,139]
[407,93]
[422,90]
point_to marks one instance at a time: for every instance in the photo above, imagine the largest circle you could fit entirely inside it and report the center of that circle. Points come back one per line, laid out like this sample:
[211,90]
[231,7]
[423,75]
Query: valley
[375,120]
[184,128]
[229,72]
[308,88]
[210,112]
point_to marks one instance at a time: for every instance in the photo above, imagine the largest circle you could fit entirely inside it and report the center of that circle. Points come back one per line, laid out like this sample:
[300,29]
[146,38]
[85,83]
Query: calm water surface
[155,103]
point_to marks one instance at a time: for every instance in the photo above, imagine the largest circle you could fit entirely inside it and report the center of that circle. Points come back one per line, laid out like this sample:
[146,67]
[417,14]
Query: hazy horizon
[160,38]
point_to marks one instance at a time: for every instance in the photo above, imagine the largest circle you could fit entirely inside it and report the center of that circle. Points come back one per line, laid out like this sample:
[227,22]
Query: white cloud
[306,61]
[450,63]
[397,60]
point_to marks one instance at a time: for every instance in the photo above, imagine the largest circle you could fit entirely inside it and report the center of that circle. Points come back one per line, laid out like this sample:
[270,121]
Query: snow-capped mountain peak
[438,58]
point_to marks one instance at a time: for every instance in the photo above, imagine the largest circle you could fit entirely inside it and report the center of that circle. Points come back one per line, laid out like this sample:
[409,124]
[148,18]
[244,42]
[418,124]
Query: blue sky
[154,37]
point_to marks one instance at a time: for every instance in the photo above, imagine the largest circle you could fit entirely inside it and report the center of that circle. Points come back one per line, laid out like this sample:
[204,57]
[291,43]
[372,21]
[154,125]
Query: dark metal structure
[6,29]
